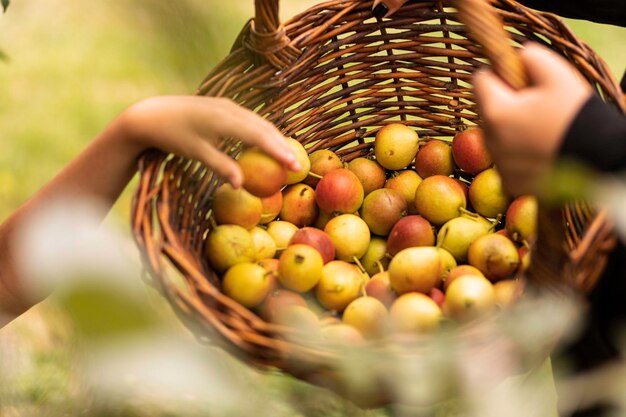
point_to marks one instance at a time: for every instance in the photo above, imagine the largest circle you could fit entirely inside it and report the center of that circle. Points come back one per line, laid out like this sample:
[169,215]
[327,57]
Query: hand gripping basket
[331,77]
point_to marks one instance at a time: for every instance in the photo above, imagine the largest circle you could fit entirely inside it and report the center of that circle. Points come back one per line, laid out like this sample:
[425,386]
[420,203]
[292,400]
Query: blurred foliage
[73,67]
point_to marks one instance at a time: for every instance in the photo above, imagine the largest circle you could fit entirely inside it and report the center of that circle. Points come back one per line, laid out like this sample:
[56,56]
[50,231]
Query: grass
[72,66]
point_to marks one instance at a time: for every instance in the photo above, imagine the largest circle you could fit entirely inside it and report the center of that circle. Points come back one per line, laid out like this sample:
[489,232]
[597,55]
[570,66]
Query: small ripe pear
[487,195]
[375,258]
[228,245]
[369,172]
[316,238]
[271,207]
[262,174]
[350,236]
[382,209]
[340,284]
[300,267]
[439,199]
[247,283]
[368,315]
[434,158]
[264,244]
[494,255]
[461,270]
[339,191]
[299,205]
[303,159]
[457,234]
[379,287]
[408,232]
[469,151]
[282,232]
[470,297]
[415,269]
[236,206]
[415,312]
[322,162]
[406,183]
[395,146]
[521,219]
[277,300]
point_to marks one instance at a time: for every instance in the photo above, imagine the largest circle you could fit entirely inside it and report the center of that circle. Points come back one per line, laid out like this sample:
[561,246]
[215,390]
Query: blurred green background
[71,67]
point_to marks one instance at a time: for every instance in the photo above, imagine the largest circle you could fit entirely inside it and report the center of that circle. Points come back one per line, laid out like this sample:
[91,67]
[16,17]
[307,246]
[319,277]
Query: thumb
[544,66]
[492,92]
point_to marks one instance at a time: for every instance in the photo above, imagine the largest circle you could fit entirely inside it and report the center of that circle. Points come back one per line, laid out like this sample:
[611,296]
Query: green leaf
[5,4]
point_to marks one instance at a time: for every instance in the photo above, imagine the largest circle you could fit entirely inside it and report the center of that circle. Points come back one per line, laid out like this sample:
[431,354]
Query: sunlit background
[71,66]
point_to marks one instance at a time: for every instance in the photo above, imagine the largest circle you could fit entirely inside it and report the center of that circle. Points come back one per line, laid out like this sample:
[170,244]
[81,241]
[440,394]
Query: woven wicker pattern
[330,78]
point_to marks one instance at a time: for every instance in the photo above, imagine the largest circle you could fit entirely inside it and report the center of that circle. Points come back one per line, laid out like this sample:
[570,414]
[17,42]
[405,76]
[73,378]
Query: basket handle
[267,37]
[487,29]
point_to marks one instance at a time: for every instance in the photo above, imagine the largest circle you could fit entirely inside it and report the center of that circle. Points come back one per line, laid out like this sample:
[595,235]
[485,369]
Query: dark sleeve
[612,12]
[597,136]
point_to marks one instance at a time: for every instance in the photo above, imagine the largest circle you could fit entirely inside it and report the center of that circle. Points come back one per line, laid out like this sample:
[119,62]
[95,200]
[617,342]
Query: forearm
[101,171]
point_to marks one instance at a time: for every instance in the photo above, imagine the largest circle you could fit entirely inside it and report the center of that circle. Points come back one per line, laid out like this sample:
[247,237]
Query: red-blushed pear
[395,146]
[494,255]
[521,219]
[381,209]
[350,236]
[367,315]
[341,335]
[369,172]
[379,287]
[415,312]
[341,283]
[507,292]
[300,267]
[415,269]
[236,206]
[303,159]
[339,191]
[262,174]
[410,231]
[299,205]
[438,296]
[457,234]
[282,232]
[271,207]
[322,162]
[439,199]
[460,270]
[469,151]
[247,283]
[264,244]
[487,195]
[434,158]
[375,258]
[278,299]
[470,297]
[228,245]
[316,238]
[406,183]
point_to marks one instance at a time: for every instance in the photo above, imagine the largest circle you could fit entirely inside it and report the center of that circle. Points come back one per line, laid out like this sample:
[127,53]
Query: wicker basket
[330,78]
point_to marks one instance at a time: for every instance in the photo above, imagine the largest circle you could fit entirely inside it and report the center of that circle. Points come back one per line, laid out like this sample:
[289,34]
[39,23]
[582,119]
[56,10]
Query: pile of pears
[415,236]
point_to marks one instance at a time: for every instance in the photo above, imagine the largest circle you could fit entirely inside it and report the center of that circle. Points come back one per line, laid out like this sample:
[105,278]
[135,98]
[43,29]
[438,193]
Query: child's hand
[192,126]
[525,128]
